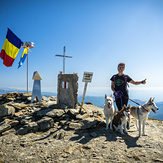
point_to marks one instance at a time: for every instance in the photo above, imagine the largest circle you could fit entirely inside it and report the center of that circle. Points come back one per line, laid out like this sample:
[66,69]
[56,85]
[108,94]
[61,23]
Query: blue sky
[97,33]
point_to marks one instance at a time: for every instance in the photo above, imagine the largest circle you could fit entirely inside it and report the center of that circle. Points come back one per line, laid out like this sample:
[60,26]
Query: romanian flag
[23,57]
[10,48]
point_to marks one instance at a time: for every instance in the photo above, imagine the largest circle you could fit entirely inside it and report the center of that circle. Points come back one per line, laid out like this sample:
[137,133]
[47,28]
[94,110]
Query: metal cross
[57,55]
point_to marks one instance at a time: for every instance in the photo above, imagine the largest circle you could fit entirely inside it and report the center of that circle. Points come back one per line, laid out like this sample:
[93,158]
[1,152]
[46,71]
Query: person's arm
[112,87]
[138,82]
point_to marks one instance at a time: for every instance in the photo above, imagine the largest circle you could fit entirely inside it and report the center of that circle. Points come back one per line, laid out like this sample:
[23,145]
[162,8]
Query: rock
[73,112]
[23,130]
[4,126]
[33,126]
[6,110]
[59,135]
[43,112]
[69,149]
[26,95]
[52,98]
[18,106]
[25,119]
[88,123]
[88,103]
[55,113]
[45,123]
[75,126]
[9,131]
[45,98]
[12,123]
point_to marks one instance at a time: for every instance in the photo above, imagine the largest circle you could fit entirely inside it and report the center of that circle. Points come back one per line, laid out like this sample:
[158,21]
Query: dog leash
[120,96]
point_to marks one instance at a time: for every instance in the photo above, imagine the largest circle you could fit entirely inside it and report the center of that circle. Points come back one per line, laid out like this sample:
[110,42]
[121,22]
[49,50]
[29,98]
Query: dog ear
[129,106]
[105,96]
[124,106]
[150,100]
[111,96]
[153,99]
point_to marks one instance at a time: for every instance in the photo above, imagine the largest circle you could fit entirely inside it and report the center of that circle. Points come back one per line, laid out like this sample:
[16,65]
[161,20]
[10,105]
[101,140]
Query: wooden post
[87,77]
[27,70]
[85,88]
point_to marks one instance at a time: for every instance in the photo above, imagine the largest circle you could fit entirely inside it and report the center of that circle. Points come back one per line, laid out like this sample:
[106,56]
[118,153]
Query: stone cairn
[19,115]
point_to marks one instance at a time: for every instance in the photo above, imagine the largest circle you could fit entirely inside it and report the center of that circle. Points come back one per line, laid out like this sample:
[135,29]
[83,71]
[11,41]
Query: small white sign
[87,77]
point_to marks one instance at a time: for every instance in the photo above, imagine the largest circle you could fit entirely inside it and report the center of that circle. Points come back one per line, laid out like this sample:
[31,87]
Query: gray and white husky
[109,110]
[141,113]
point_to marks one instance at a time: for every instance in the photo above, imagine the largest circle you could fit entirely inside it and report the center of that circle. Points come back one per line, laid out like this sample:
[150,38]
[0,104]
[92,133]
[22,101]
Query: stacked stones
[20,116]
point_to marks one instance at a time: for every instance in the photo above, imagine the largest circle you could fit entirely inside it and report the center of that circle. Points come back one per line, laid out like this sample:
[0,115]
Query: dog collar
[144,108]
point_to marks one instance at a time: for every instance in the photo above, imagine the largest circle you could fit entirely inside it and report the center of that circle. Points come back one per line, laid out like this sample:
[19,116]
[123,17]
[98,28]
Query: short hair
[121,64]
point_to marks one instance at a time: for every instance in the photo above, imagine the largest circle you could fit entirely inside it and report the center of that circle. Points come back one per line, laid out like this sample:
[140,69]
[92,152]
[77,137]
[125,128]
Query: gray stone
[4,126]
[45,123]
[69,95]
[75,126]
[25,120]
[55,113]
[23,130]
[88,123]
[33,127]
[43,112]
[26,95]
[58,106]
[6,110]
[45,98]
[12,123]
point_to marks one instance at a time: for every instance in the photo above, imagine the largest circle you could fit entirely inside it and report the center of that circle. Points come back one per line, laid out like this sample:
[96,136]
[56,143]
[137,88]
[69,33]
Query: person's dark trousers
[119,104]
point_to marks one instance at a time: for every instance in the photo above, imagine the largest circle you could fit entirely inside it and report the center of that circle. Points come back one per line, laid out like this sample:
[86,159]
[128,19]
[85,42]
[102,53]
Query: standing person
[119,86]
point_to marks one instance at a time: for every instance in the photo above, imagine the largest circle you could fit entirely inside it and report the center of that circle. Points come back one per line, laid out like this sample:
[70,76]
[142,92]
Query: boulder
[55,113]
[88,123]
[45,123]
[23,130]
[4,126]
[33,126]
[6,110]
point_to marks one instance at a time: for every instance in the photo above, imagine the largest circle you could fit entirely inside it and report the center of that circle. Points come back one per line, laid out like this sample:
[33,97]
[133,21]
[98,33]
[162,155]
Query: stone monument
[67,90]
[36,93]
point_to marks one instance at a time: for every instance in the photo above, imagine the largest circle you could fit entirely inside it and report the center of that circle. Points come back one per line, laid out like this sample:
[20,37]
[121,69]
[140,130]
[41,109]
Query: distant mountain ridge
[97,101]
[8,90]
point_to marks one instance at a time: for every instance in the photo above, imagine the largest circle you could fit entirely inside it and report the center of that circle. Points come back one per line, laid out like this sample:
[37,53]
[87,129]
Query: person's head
[121,67]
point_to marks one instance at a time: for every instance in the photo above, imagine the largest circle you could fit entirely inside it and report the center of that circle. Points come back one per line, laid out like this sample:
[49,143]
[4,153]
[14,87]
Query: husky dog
[120,119]
[141,113]
[109,110]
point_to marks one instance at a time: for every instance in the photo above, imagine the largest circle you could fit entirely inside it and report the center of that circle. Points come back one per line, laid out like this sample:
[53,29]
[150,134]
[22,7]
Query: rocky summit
[50,132]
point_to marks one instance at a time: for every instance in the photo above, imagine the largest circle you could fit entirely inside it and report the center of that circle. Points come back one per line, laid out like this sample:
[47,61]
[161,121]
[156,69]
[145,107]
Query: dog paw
[144,134]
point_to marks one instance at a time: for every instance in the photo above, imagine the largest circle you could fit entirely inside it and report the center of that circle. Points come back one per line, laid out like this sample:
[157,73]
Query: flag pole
[27,70]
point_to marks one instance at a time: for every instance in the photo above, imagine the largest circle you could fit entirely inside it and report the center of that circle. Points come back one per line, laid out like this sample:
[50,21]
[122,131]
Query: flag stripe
[7,61]
[10,49]
[23,57]
[13,39]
